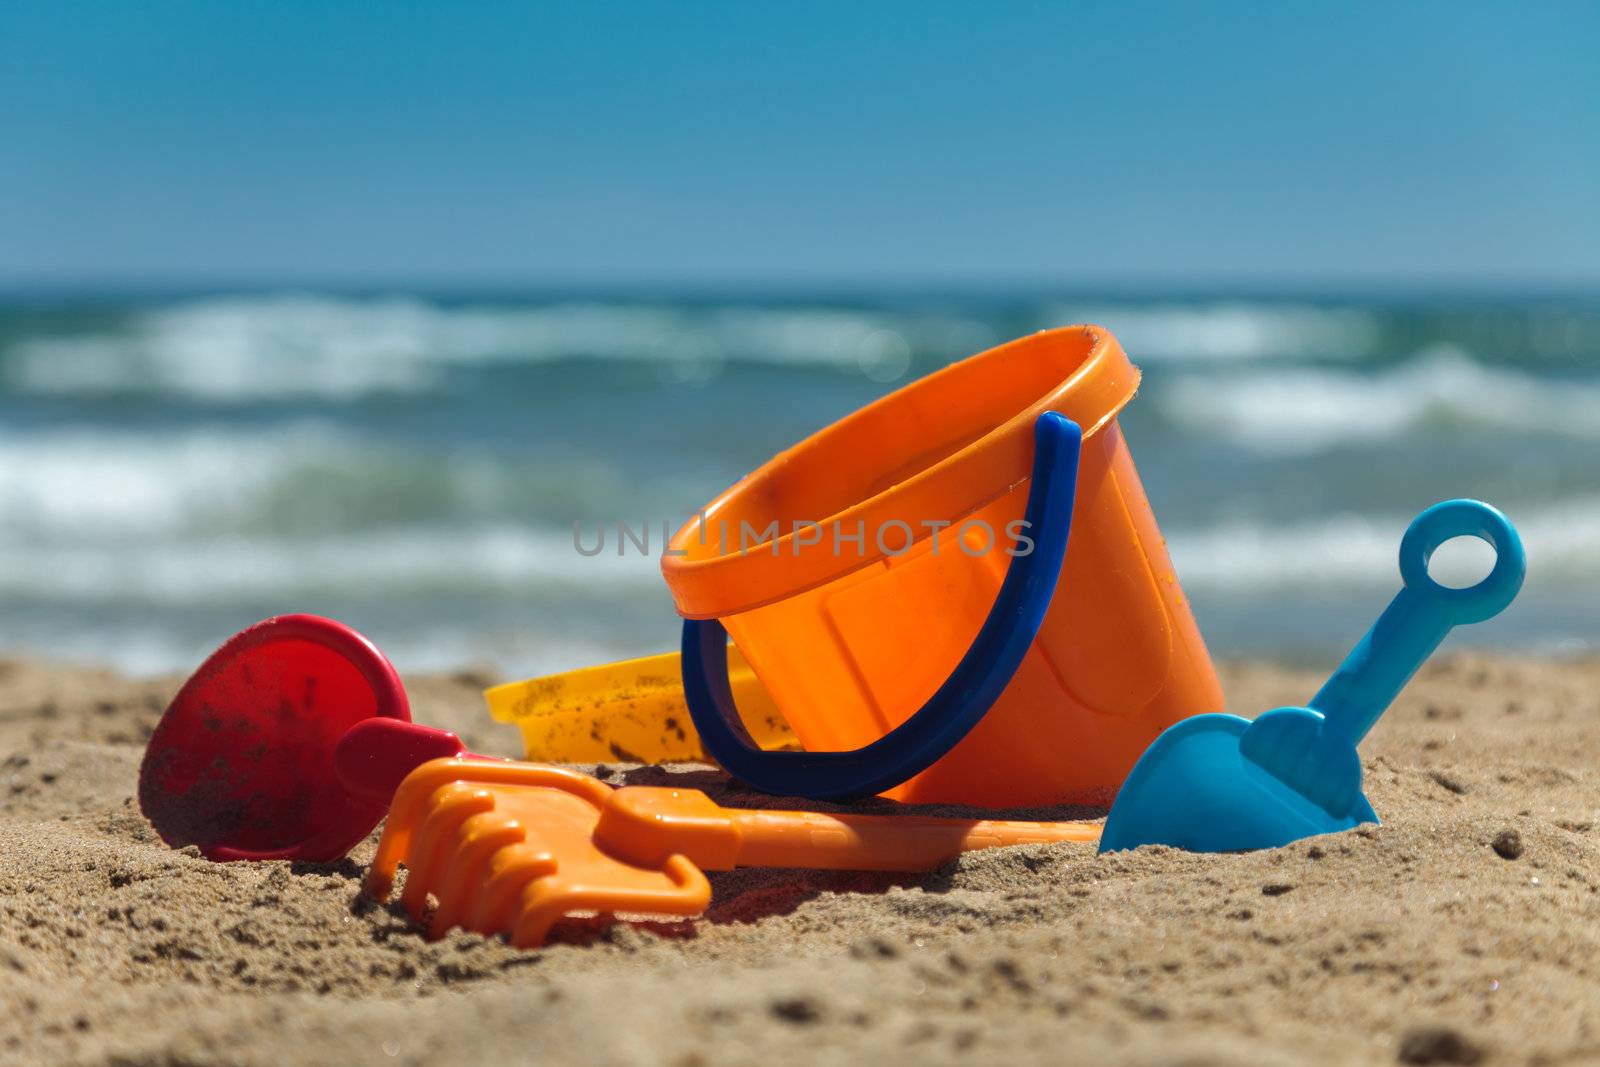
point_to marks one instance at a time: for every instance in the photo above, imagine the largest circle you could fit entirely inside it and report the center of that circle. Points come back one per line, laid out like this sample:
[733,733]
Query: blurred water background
[173,468]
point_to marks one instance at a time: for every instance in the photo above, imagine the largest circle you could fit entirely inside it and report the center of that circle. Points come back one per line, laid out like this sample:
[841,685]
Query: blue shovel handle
[1423,612]
[958,705]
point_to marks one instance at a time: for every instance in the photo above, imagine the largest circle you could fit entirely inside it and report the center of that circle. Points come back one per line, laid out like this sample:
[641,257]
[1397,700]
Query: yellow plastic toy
[631,711]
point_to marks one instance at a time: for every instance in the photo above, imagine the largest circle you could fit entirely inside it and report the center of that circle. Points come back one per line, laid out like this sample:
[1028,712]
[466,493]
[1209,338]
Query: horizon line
[112,287]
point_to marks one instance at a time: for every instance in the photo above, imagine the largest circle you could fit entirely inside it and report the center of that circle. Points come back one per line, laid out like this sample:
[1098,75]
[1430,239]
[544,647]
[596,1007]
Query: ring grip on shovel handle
[954,709]
[1422,613]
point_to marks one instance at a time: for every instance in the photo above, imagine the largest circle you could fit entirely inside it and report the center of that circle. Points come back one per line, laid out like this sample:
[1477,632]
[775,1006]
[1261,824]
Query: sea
[176,465]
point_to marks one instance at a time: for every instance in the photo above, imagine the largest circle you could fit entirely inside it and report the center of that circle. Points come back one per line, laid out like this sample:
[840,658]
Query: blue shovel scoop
[1221,783]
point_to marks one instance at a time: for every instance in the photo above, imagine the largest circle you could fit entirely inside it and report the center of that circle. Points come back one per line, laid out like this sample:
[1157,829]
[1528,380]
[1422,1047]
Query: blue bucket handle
[958,705]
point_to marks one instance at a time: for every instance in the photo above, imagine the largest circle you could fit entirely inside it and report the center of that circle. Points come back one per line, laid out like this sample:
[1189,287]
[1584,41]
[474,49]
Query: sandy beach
[440,319]
[1461,931]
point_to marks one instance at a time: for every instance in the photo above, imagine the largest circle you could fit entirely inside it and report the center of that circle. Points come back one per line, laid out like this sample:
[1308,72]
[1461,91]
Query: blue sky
[1090,144]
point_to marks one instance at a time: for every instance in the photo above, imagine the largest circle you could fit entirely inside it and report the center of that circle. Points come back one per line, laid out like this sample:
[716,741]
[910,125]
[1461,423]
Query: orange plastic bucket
[851,637]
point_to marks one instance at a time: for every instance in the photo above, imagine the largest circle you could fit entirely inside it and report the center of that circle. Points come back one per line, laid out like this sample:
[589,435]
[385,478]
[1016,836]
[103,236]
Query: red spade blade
[242,762]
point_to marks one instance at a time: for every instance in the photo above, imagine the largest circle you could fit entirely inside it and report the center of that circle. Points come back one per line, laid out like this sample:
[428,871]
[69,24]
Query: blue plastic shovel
[1221,783]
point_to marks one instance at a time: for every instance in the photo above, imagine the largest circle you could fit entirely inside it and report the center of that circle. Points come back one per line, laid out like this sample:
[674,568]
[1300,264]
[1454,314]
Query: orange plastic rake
[514,847]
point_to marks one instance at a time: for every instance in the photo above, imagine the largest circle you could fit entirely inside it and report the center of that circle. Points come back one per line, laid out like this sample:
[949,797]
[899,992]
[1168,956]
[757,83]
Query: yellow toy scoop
[632,711]
[504,847]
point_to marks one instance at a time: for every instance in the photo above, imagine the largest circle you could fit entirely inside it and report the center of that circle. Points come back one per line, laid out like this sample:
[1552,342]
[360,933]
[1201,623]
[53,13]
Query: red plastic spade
[288,743]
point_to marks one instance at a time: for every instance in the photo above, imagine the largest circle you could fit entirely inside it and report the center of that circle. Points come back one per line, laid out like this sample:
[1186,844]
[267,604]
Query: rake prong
[433,843]
[411,802]
[476,842]
[511,871]
[544,903]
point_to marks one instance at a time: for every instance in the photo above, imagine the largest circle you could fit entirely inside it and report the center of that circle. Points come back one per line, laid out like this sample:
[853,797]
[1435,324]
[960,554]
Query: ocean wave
[244,348]
[166,643]
[1231,331]
[1301,410]
[493,559]
[499,557]
[1359,551]
[109,486]
[523,597]
[253,348]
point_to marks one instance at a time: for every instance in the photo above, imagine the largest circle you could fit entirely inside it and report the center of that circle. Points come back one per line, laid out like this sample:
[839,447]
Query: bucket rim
[968,478]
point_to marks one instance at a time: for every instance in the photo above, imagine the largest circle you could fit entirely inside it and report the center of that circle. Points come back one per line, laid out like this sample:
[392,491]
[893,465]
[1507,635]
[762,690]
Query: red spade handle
[374,756]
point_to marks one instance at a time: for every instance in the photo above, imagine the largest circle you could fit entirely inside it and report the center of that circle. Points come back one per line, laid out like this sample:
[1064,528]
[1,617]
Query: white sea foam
[1301,410]
[189,517]
[1230,331]
[107,485]
[489,558]
[249,348]
[1562,541]
[164,644]
[499,557]
[139,604]
[261,347]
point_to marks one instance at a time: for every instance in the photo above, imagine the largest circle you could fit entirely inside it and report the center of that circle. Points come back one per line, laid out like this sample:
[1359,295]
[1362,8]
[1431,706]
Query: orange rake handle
[647,824]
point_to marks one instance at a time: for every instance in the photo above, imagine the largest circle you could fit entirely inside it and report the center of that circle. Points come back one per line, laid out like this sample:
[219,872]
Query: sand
[1463,930]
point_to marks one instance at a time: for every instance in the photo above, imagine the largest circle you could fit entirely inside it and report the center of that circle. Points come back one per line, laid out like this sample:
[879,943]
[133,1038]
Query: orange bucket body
[894,528]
